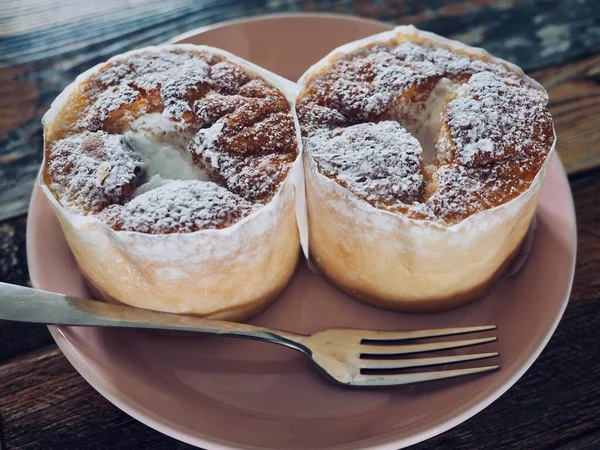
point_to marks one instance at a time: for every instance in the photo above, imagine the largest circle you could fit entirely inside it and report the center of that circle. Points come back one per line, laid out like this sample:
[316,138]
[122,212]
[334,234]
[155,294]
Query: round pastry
[424,159]
[173,172]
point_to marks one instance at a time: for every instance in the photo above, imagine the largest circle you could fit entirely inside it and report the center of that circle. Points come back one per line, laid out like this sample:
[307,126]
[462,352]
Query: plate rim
[386,441]
[275,16]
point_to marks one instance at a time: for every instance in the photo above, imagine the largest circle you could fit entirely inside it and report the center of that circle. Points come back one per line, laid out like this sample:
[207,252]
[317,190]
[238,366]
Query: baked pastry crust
[424,159]
[218,240]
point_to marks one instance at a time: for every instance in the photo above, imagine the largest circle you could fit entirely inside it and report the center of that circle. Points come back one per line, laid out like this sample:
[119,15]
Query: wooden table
[44,44]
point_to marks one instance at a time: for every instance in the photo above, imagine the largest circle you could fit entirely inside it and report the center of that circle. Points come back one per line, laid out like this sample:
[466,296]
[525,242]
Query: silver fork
[347,356]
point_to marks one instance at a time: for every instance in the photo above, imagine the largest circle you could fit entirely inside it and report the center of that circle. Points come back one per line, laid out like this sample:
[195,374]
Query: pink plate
[221,393]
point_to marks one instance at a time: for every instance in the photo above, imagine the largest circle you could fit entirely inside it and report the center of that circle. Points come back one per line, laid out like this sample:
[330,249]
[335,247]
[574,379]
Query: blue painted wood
[45,44]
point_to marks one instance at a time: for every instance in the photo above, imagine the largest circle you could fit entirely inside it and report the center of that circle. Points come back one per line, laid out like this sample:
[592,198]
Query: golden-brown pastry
[173,173]
[424,159]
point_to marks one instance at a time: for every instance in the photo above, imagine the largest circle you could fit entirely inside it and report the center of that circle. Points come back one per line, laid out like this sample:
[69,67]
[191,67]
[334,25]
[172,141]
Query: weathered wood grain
[13,263]
[586,193]
[47,405]
[45,44]
[546,408]
[17,338]
[589,440]
[574,91]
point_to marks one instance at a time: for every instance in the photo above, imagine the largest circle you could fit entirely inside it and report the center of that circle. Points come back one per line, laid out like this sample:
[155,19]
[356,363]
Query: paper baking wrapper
[415,265]
[229,273]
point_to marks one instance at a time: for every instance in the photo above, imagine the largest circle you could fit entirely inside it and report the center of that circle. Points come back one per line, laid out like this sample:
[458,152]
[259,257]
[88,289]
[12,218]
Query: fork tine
[394,380]
[369,350]
[420,334]
[386,364]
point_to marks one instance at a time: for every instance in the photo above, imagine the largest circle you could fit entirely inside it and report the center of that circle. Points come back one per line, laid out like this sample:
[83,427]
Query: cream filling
[430,122]
[162,144]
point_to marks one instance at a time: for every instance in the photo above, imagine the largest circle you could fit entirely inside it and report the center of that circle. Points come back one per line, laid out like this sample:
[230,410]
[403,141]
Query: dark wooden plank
[556,401]
[589,440]
[46,404]
[586,194]
[526,417]
[16,338]
[13,263]
[44,45]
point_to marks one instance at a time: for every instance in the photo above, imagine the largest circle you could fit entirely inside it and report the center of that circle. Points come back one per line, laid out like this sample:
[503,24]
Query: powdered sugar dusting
[364,85]
[463,191]
[212,133]
[157,100]
[254,177]
[459,194]
[379,162]
[173,74]
[498,119]
[247,140]
[93,169]
[495,129]
[179,206]
[113,98]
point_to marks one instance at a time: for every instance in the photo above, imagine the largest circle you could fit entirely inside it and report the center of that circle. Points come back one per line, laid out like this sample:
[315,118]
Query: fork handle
[23,304]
